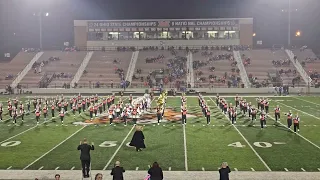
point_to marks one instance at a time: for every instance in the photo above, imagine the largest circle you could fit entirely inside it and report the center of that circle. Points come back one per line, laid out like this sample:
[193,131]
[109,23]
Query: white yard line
[235,169]
[114,154]
[286,169]
[9,167]
[318,169]
[305,100]
[252,169]
[169,168]
[300,111]
[137,168]
[303,170]
[57,168]
[255,152]
[54,148]
[73,168]
[202,169]
[185,148]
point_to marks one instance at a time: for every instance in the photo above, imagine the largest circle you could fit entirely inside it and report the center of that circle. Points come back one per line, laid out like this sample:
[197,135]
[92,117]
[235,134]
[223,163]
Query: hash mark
[40,168]
[286,169]
[169,168]
[137,168]
[235,169]
[57,168]
[72,168]
[303,170]
[203,169]
[9,167]
[318,169]
[252,169]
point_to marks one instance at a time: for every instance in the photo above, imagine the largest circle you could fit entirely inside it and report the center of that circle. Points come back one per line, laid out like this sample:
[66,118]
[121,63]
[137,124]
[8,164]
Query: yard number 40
[257,144]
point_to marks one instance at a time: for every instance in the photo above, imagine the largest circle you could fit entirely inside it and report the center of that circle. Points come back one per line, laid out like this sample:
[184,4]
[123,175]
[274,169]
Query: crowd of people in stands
[37,66]
[255,82]
[280,62]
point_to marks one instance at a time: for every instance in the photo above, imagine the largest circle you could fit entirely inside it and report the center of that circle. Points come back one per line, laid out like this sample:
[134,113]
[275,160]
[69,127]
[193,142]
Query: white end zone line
[114,154]
[54,147]
[255,152]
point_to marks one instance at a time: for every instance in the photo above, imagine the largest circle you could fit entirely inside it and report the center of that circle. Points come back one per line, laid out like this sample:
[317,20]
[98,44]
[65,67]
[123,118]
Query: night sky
[19,28]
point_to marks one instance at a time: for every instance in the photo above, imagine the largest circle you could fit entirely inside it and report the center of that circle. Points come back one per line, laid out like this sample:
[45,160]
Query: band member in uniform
[130,99]
[100,108]
[289,118]
[10,109]
[217,99]
[74,109]
[66,106]
[108,102]
[95,108]
[237,100]
[111,115]
[21,110]
[249,109]
[59,106]
[225,107]
[38,114]
[253,113]
[263,119]
[134,115]
[52,110]
[258,103]
[28,105]
[234,116]
[91,112]
[118,110]
[230,111]
[266,106]
[244,107]
[62,112]
[262,104]
[15,102]
[104,102]
[34,102]
[83,105]
[14,115]
[277,113]
[1,111]
[208,116]
[45,112]
[296,121]
[125,116]
[80,104]
[184,115]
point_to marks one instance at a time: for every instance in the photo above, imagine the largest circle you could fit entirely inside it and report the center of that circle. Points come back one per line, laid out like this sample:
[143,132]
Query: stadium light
[47,14]
[254,34]
[298,34]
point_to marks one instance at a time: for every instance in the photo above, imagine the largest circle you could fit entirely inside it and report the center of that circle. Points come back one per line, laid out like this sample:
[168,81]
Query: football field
[193,147]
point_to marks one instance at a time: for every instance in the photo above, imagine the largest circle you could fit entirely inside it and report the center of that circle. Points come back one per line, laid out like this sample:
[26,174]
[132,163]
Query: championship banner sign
[162,23]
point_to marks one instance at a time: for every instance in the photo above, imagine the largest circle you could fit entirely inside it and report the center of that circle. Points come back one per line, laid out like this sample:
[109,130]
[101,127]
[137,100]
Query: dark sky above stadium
[19,28]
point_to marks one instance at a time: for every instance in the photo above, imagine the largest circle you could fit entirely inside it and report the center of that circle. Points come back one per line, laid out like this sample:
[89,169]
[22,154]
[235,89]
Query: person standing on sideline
[85,156]
[138,139]
[117,171]
[155,172]
[224,171]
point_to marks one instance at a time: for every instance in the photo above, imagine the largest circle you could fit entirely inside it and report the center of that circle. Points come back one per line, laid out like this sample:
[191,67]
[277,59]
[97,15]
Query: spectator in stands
[155,172]
[57,177]
[98,176]
[224,171]
[117,171]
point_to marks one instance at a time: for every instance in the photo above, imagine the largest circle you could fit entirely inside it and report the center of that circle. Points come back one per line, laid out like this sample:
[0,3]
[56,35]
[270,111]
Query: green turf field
[194,147]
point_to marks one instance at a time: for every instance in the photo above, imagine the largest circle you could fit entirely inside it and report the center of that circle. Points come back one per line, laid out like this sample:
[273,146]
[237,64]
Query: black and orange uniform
[79,106]
[88,102]
[237,101]
[104,102]
[96,99]
[37,115]
[92,100]
[118,111]
[262,105]
[111,116]
[134,115]
[262,120]
[234,116]
[208,116]
[95,108]
[59,106]
[74,109]
[45,113]
[1,111]
[289,119]
[10,109]
[266,106]
[277,113]
[130,99]
[230,110]
[28,105]
[15,102]
[296,121]
[225,108]
[184,116]
[125,116]
[66,106]
[14,115]
[100,108]
[159,114]
[91,112]
[52,110]
[108,102]
[253,114]
[61,115]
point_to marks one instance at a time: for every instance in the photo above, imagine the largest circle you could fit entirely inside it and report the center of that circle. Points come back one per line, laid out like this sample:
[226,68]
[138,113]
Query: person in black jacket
[155,172]
[117,171]
[85,156]
[138,139]
[224,171]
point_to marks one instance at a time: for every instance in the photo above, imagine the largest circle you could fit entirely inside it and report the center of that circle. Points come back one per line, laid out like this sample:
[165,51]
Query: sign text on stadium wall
[162,23]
